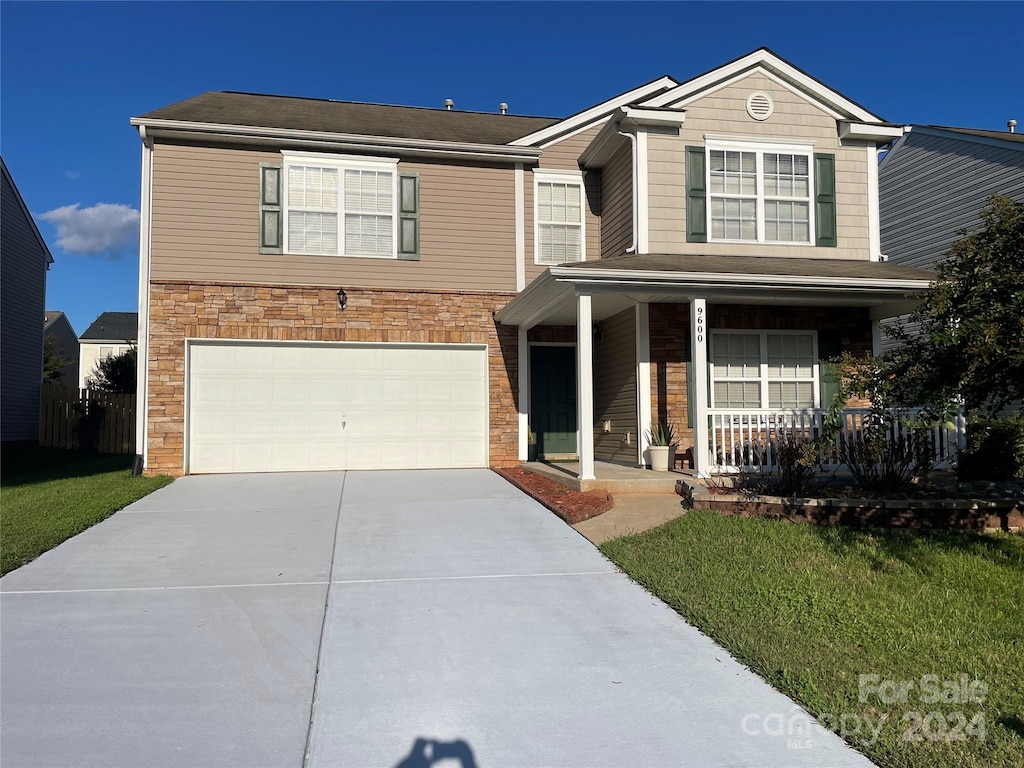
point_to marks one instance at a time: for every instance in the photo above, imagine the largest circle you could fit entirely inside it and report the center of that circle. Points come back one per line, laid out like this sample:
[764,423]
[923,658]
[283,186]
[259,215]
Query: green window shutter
[696,196]
[825,199]
[409,216]
[270,208]
[830,345]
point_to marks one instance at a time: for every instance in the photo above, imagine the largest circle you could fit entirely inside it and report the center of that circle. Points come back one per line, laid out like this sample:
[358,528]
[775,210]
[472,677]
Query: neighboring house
[934,183]
[336,285]
[25,260]
[56,326]
[111,334]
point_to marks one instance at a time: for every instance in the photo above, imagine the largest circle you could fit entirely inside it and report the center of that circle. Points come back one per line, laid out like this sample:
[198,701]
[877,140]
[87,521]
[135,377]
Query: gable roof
[347,117]
[24,210]
[592,114]
[113,326]
[768,61]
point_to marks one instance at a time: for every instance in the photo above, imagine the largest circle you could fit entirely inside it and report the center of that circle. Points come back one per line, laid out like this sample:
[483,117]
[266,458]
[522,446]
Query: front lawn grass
[810,609]
[49,495]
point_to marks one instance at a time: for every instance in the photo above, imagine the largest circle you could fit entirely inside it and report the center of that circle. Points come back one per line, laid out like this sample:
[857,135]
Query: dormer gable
[771,65]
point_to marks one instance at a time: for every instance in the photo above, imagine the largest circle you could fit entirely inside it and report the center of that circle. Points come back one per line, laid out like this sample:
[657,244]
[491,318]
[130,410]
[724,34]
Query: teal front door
[553,399]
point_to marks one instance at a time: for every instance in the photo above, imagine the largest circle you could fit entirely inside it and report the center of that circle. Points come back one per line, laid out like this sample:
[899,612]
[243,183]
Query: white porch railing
[745,440]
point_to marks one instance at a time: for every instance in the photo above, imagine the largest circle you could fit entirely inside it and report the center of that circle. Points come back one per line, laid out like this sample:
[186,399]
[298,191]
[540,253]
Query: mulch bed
[572,506]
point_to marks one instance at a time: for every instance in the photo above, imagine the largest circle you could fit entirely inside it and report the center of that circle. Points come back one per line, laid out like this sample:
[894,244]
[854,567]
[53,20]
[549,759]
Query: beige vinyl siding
[617,203]
[206,227]
[615,390]
[564,156]
[724,113]
[22,315]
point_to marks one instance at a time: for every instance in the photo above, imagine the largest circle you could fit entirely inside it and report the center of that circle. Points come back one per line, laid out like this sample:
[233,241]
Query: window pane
[559,243]
[790,356]
[737,394]
[790,394]
[368,235]
[736,355]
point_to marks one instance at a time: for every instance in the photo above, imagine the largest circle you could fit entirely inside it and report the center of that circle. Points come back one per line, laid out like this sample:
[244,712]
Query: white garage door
[259,407]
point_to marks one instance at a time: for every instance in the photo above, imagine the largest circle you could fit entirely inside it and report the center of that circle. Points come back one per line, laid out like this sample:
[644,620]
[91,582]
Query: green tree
[115,373]
[971,340]
[53,361]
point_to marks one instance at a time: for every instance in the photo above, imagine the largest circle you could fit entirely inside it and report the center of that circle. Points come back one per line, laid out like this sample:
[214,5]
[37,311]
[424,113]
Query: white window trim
[558,177]
[762,373]
[759,148]
[341,163]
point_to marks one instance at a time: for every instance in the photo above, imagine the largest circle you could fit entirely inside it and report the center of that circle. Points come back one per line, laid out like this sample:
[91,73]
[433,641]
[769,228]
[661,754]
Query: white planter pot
[661,457]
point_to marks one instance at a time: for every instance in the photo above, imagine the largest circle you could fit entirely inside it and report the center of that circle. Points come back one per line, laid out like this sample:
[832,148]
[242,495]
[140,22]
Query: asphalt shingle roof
[114,326]
[349,117]
[759,265]
[1001,135]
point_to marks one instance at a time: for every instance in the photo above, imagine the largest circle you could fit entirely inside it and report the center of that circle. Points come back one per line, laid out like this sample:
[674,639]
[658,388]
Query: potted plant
[661,452]
[531,445]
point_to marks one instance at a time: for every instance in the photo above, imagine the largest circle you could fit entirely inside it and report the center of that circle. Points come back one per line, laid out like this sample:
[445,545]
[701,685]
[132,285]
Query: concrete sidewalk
[448,614]
[632,513]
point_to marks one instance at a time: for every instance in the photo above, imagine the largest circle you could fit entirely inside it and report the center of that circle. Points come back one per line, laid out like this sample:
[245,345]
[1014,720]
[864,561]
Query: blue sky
[72,74]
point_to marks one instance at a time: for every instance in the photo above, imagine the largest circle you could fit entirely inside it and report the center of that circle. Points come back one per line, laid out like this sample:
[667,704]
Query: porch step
[614,478]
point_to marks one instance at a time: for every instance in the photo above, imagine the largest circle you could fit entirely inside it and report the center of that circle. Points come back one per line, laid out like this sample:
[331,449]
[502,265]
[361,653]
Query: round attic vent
[759,105]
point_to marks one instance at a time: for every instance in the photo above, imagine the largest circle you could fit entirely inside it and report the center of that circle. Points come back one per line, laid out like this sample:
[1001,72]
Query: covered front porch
[727,349]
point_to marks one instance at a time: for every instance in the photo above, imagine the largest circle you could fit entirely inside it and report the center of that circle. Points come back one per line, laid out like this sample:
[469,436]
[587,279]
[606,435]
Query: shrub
[888,454]
[995,450]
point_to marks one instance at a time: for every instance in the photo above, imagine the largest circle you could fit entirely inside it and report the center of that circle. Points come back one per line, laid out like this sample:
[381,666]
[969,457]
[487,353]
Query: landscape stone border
[910,514]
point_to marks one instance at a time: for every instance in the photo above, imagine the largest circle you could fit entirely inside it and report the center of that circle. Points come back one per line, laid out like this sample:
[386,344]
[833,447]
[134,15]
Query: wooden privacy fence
[86,419]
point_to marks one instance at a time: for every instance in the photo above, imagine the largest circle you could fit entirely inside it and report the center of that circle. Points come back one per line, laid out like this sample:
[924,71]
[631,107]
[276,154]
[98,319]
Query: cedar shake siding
[206,227]
[22,313]
[615,390]
[724,113]
[617,203]
[181,310]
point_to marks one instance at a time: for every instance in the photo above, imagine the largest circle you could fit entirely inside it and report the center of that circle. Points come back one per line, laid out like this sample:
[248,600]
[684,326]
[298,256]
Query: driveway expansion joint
[323,630]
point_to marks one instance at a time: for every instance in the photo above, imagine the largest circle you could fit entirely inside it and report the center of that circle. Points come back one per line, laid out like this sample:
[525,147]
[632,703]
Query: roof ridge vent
[449,104]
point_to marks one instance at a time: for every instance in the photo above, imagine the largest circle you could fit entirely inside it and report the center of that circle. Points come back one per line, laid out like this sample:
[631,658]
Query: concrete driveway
[364,619]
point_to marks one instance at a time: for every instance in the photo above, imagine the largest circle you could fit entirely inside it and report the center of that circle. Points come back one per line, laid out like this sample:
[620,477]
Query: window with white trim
[340,206]
[759,193]
[764,369]
[558,213]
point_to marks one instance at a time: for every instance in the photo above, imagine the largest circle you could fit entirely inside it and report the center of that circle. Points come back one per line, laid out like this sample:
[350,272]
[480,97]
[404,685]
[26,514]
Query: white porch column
[876,337]
[699,361]
[585,385]
[642,318]
[524,395]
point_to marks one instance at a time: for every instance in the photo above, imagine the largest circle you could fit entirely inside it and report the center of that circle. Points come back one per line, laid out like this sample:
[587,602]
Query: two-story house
[332,285]
[24,261]
[111,334]
[933,185]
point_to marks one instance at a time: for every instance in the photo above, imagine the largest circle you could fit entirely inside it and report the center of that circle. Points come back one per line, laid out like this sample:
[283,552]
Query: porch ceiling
[617,284]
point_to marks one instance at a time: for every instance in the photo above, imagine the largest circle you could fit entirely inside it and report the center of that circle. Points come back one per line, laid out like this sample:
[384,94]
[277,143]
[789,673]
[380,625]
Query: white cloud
[105,229]
[72,174]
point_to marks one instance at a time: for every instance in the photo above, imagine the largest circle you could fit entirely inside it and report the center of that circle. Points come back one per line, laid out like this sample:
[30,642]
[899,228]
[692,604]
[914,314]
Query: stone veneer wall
[214,311]
[670,345]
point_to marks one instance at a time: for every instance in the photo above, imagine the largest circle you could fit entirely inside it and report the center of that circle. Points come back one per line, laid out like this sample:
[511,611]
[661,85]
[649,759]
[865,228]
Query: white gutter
[142,345]
[729,279]
[343,141]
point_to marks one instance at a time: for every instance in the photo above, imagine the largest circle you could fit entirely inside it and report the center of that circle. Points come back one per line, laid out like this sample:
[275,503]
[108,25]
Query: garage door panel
[281,407]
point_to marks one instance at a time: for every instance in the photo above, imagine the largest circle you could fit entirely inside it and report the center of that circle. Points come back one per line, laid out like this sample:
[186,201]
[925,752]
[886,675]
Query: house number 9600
[700,324]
